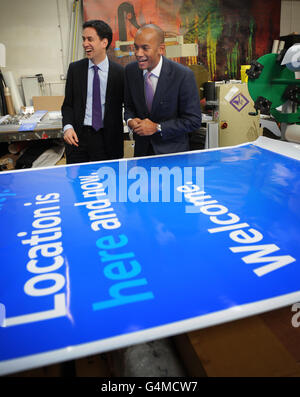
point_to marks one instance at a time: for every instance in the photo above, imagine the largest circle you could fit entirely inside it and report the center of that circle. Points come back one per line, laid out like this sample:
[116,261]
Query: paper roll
[281,46]
[8,100]
[292,133]
[15,94]
[275,47]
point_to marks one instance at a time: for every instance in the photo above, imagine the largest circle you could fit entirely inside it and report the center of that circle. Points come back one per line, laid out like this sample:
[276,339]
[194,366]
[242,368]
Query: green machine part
[271,84]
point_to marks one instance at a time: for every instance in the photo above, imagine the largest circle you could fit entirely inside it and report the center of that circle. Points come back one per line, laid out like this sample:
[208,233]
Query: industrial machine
[232,114]
[274,85]
[228,105]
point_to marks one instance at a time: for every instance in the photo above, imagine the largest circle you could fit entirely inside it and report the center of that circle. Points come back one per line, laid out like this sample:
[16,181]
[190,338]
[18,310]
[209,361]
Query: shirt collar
[103,66]
[156,71]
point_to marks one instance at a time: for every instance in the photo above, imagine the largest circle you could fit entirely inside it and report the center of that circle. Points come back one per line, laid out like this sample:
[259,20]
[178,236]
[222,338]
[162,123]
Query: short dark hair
[103,29]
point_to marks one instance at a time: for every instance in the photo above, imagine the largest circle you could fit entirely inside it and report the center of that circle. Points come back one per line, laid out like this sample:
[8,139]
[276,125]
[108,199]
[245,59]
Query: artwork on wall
[221,35]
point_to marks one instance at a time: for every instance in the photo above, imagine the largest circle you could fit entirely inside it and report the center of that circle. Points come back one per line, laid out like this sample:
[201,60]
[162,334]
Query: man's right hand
[134,123]
[70,137]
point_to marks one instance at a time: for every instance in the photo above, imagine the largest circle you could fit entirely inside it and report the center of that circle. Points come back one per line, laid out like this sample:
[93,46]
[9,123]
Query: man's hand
[133,123]
[145,127]
[70,137]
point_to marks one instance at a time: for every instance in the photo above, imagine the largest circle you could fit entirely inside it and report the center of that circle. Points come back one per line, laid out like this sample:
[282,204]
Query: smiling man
[92,108]
[162,103]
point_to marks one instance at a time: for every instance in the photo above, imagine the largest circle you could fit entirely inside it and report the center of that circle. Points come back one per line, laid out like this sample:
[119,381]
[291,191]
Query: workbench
[44,130]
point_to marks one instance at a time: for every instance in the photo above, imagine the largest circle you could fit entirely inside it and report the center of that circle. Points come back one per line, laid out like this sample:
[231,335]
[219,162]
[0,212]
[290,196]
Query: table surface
[44,130]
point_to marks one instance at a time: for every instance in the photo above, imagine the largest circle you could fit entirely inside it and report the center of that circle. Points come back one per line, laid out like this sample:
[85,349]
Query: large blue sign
[103,255]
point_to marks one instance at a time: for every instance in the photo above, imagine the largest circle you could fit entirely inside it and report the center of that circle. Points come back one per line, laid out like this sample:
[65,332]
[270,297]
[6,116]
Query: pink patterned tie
[149,92]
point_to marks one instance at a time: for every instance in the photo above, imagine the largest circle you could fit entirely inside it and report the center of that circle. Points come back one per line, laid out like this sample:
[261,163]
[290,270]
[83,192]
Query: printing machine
[274,85]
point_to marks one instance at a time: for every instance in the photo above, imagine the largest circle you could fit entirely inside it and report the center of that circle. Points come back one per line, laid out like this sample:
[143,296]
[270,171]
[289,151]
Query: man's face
[147,49]
[95,48]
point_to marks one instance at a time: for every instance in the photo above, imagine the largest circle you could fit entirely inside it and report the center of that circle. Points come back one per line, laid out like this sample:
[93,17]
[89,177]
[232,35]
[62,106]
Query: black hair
[103,29]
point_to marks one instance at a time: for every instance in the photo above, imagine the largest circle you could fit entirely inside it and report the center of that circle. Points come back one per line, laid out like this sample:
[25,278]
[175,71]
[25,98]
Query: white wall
[290,17]
[37,36]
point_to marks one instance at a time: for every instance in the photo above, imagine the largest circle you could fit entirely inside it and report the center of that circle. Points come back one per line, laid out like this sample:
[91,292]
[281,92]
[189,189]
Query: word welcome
[240,233]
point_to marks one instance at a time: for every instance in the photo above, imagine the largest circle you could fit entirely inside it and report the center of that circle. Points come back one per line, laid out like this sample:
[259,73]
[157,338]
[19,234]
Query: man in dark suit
[94,133]
[162,119]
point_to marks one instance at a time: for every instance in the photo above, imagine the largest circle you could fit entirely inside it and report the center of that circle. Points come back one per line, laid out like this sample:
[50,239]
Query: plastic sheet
[15,94]
[83,273]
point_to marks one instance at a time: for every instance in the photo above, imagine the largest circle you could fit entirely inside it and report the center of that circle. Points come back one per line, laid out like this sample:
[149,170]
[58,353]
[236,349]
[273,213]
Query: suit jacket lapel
[84,80]
[162,84]
[141,89]
[109,86]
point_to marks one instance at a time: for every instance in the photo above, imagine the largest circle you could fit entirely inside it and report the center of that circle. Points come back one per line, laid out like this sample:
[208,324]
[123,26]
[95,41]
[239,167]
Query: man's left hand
[145,127]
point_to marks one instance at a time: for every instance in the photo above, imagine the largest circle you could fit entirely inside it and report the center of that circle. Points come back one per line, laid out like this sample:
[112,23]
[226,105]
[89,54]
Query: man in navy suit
[175,111]
[84,142]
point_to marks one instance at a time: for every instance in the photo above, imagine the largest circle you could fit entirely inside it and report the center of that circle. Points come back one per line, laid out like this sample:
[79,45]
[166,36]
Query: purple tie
[97,109]
[149,93]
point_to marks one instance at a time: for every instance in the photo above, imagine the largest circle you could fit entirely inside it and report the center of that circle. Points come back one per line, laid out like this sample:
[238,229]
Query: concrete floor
[158,358]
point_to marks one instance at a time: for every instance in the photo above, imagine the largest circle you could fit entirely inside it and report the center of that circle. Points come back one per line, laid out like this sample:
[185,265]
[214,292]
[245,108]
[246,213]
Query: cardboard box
[265,345]
[49,103]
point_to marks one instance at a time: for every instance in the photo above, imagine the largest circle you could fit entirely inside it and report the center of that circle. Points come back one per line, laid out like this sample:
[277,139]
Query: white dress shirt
[155,73]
